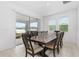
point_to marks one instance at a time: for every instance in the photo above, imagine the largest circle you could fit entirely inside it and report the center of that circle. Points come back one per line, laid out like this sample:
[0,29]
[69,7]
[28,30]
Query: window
[52,25]
[63,24]
[33,24]
[59,24]
[20,27]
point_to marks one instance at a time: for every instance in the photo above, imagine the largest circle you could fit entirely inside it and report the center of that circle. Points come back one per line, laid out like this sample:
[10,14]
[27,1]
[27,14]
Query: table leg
[44,55]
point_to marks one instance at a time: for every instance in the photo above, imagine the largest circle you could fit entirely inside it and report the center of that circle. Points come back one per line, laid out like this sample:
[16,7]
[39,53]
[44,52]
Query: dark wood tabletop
[46,38]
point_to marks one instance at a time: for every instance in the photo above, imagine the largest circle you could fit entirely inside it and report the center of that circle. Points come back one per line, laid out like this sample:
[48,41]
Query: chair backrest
[58,38]
[35,33]
[56,41]
[45,33]
[62,35]
[27,42]
[40,34]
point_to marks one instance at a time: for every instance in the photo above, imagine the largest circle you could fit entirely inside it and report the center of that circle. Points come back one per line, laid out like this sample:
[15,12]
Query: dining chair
[40,34]
[61,39]
[54,45]
[30,48]
[34,33]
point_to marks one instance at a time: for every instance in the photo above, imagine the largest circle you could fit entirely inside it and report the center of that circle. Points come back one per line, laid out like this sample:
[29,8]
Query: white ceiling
[44,8]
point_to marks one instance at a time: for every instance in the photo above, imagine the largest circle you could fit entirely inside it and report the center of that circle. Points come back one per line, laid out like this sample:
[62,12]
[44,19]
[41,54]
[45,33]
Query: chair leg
[58,49]
[33,55]
[61,44]
[26,53]
[44,55]
[54,52]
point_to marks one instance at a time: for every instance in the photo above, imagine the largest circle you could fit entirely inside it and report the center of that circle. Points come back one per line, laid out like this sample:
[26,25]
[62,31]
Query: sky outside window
[52,22]
[20,25]
[63,20]
[33,24]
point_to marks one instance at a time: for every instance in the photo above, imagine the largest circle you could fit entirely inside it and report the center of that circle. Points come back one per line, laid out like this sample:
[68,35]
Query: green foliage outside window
[63,28]
[52,27]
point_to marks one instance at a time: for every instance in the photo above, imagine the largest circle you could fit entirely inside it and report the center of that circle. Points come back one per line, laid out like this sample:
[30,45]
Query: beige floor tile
[68,50]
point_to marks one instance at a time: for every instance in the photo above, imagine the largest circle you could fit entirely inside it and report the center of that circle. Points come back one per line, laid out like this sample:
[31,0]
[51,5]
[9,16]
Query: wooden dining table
[43,39]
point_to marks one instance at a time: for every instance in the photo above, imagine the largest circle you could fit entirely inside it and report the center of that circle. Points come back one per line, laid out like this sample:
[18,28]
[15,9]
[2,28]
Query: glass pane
[20,27]
[52,25]
[63,24]
[22,19]
[33,24]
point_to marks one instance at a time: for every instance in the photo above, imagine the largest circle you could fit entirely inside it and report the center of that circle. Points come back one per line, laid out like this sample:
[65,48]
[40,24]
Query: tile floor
[19,41]
[68,50]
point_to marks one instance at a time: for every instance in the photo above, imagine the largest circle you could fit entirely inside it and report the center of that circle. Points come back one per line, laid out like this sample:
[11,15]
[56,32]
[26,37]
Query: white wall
[7,23]
[78,27]
[21,10]
[7,27]
[70,36]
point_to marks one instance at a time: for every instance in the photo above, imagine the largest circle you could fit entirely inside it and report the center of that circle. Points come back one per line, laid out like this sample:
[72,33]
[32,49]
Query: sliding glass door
[23,24]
